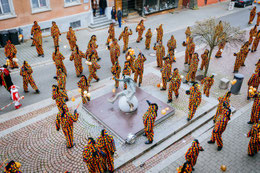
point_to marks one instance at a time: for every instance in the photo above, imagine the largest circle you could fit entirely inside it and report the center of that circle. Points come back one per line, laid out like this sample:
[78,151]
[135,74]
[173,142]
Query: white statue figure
[127,100]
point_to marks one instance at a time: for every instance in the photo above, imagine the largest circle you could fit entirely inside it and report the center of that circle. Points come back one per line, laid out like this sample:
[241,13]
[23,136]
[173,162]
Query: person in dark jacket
[102,6]
[119,17]
[113,14]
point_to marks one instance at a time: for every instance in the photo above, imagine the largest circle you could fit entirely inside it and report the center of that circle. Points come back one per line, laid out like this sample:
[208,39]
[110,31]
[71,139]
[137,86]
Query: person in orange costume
[225,98]
[194,100]
[116,70]
[140,29]
[59,96]
[175,83]
[58,58]
[193,153]
[252,15]
[35,29]
[220,126]
[245,50]
[55,33]
[10,53]
[238,61]
[254,143]
[171,44]
[106,144]
[111,34]
[168,60]
[185,168]
[193,68]
[61,80]
[65,120]
[255,113]
[159,34]
[188,32]
[93,66]
[37,38]
[160,53]
[125,35]
[208,82]
[84,86]
[252,34]
[77,56]
[128,69]
[256,42]
[26,72]
[139,68]
[148,38]
[258,19]
[149,120]
[190,48]
[71,36]
[13,167]
[254,82]
[205,59]
[221,46]
[114,49]
[165,76]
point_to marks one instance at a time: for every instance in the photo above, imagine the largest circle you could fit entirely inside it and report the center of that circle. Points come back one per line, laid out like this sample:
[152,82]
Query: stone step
[100,20]
[100,25]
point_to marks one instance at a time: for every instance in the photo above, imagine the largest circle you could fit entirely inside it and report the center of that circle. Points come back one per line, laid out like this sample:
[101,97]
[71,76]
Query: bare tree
[212,33]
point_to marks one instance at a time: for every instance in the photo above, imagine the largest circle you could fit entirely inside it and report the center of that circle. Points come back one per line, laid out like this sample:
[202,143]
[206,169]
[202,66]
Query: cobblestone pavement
[233,155]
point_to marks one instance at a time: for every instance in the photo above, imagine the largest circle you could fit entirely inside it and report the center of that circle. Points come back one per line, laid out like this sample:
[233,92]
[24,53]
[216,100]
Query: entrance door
[131,5]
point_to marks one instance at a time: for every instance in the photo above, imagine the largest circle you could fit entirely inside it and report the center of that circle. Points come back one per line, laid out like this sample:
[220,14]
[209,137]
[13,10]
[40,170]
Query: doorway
[131,6]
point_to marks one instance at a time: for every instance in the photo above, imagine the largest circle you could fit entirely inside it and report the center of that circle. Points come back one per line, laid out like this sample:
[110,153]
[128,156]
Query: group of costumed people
[99,154]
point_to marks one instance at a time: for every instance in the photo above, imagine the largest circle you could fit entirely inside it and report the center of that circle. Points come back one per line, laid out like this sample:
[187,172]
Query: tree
[211,33]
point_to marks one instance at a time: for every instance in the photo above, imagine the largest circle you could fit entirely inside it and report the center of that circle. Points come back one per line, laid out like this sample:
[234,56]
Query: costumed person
[116,70]
[71,36]
[58,58]
[207,82]
[190,48]
[139,68]
[148,38]
[61,80]
[5,78]
[221,45]
[188,32]
[194,100]
[221,100]
[114,49]
[244,53]
[160,53]
[26,72]
[65,120]
[252,34]
[106,144]
[84,86]
[55,33]
[219,29]
[238,61]
[15,96]
[185,168]
[125,35]
[92,156]
[140,29]
[252,15]
[130,56]
[13,167]
[111,34]
[159,34]
[37,38]
[191,75]
[93,66]
[10,53]
[205,59]
[77,56]
[171,44]
[193,153]
[59,96]
[258,19]
[256,42]
[127,71]
[220,126]
[149,120]
[166,73]
[255,113]
[175,83]
[92,47]
[254,143]
[254,82]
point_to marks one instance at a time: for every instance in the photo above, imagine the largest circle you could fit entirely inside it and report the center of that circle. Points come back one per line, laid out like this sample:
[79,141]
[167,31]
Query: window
[75,24]
[69,3]
[40,6]
[6,9]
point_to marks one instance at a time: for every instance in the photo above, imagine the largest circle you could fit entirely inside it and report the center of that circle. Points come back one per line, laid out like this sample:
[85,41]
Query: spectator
[113,14]
[119,17]
[94,7]
[102,6]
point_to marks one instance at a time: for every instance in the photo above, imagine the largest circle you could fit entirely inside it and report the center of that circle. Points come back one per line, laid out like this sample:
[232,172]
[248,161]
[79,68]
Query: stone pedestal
[224,83]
